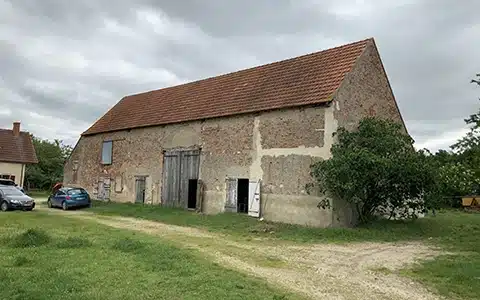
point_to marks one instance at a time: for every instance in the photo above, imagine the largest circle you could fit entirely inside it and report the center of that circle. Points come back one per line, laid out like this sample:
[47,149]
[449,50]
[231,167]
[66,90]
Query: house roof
[304,80]
[16,149]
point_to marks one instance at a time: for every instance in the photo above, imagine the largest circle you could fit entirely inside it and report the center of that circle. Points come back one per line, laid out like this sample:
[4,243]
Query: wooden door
[140,184]
[254,198]
[179,166]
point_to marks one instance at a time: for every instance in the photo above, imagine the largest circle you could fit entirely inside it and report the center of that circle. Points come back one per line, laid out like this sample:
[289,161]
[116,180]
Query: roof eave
[19,162]
[325,102]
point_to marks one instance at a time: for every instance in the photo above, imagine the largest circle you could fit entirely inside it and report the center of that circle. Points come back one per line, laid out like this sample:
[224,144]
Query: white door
[254,198]
[231,200]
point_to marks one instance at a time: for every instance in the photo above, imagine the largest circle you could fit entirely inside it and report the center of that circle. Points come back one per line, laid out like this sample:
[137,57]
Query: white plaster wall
[13,169]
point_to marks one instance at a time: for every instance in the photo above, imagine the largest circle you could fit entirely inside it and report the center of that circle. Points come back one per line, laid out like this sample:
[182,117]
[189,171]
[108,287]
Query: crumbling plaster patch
[323,151]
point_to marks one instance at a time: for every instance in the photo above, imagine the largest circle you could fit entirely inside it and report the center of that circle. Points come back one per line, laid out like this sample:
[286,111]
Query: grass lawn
[46,257]
[39,194]
[456,274]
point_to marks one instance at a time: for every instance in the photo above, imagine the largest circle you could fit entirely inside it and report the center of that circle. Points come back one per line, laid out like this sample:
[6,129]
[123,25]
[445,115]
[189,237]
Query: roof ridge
[254,67]
[21,131]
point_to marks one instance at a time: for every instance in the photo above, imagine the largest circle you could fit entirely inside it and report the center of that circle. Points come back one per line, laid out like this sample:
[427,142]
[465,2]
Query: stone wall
[277,147]
[366,91]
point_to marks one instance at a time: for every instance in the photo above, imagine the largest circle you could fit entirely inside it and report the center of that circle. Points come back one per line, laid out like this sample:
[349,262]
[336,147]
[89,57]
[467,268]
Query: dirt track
[320,271]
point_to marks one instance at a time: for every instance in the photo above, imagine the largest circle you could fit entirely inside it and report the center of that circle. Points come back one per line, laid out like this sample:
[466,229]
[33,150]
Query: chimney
[16,128]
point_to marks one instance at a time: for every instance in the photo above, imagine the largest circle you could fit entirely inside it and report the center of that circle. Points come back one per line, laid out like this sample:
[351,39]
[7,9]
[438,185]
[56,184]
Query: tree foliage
[51,158]
[471,141]
[375,167]
[459,170]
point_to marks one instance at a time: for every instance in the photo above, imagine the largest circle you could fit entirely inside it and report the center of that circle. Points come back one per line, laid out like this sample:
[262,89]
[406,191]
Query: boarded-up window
[107,153]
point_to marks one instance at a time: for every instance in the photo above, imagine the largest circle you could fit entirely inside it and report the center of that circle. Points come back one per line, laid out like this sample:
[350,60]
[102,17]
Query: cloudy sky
[65,63]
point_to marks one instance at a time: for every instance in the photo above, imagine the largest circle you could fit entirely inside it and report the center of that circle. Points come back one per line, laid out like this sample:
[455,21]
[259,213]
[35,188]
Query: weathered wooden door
[103,189]
[254,198]
[171,178]
[189,165]
[140,184]
[231,201]
[179,166]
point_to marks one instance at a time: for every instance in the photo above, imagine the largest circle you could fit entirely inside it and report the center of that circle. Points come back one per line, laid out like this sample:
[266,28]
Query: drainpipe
[21,175]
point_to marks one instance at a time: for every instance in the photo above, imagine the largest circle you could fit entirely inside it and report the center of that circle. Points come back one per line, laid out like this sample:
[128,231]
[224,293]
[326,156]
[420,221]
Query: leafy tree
[456,179]
[458,172]
[472,138]
[51,158]
[468,147]
[376,168]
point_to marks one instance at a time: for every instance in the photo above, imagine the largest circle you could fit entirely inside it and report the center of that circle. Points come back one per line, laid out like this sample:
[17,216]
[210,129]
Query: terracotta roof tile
[304,80]
[18,149]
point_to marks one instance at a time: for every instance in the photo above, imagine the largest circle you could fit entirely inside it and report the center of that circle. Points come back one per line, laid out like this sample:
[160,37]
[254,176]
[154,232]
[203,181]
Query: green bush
[375,167]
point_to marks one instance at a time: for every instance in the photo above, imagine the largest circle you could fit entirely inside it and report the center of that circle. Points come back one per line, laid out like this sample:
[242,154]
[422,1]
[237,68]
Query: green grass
[453,275]
[39,194]
[46,257]
[443,228]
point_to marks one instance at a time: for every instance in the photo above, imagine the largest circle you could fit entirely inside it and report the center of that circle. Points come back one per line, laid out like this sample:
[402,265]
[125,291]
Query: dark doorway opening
[192,193]
[242,195]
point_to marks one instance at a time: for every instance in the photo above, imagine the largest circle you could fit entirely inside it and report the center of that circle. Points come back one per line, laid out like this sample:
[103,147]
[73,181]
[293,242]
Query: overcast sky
[63,64]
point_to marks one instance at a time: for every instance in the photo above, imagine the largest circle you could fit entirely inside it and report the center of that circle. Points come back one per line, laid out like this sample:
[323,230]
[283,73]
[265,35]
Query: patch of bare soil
[320,271]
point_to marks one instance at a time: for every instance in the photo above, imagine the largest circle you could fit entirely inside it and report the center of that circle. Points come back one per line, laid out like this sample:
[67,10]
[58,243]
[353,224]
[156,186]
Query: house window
[7,176]
[107,153]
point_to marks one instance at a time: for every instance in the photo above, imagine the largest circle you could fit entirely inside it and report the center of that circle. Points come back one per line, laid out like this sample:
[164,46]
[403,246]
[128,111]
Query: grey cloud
[83,48]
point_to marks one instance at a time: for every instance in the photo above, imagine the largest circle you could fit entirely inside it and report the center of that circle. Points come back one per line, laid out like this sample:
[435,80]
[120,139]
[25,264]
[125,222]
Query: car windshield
[11,191]
[7,182]
[76,192]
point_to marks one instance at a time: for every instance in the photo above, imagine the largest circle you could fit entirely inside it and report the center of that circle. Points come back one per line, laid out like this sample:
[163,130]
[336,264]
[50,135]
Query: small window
[107,153]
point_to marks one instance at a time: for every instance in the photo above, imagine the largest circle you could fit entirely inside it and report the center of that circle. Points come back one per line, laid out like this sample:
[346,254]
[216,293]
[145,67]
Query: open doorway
[242,195]
[192,193]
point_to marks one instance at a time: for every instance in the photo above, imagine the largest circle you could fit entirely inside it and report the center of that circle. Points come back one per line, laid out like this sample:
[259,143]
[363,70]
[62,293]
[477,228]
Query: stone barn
[242,142]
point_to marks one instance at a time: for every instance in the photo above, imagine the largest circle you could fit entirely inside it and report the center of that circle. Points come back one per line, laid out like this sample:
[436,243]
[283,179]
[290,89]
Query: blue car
[69,197]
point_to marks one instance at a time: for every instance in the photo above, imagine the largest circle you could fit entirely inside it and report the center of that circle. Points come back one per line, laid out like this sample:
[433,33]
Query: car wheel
[49,203]
[29,209]
[64,205]
[4,206]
